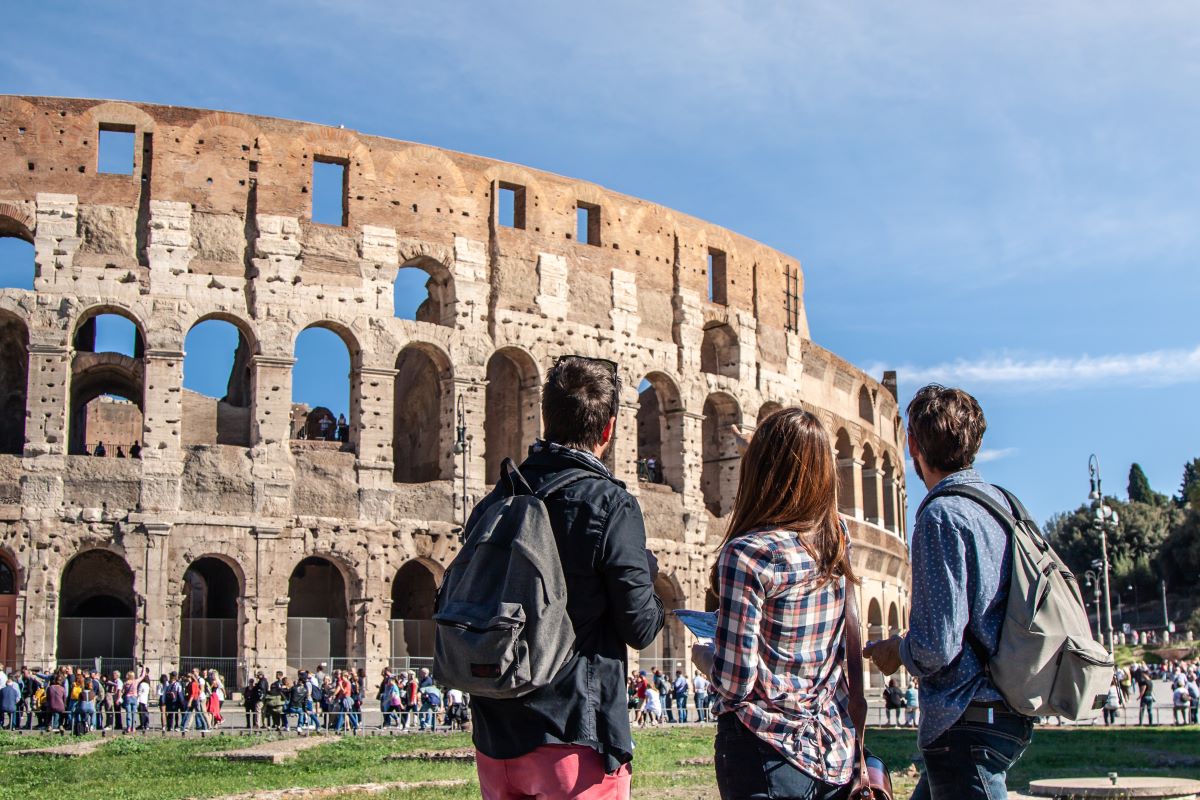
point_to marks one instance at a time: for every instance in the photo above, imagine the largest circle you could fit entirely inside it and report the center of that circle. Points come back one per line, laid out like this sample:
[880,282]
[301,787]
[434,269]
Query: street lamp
[1105,520]
[1092,581]
[462,447]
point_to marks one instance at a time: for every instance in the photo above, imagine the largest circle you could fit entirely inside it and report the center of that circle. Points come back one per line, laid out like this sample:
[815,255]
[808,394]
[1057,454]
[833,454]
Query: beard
[918,470]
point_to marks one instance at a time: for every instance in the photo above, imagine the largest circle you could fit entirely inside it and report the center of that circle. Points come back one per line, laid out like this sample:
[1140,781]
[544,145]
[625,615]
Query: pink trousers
[552,772]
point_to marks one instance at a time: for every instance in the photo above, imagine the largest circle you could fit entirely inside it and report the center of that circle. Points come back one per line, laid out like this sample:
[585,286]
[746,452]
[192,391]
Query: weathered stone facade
[228,521]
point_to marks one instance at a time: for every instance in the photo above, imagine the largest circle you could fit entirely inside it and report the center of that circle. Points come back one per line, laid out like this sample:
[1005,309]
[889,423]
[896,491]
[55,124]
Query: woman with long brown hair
[781,582]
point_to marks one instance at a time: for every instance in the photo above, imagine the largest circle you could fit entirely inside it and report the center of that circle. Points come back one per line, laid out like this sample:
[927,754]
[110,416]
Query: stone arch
[870,485]
[669,647]
[866,408]
[441,175]
[844,452]
[352,407]
[767,409]
[719,351]
[512,408]
[117,113]
[16,222]
[660,443]
[721,460]
[107,388]
[211,614]
[414,589]
[14,383]
[318,610]
[893,619]
[438,307]
[10,585]
[227,418]
[422,413]
[222,148]
[97,607]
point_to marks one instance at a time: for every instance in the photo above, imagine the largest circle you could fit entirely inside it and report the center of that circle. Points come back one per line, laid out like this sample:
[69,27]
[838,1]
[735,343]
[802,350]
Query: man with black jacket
[572,737]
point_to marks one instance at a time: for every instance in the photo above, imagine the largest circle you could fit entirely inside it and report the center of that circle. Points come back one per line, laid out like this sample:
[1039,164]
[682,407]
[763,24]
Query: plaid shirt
[780,648]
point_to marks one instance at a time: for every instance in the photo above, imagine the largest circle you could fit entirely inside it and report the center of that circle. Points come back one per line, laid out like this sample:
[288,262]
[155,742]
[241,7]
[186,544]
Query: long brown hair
[788,481]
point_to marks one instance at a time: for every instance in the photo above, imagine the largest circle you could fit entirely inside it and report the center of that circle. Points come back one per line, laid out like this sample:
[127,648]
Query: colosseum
[248,530]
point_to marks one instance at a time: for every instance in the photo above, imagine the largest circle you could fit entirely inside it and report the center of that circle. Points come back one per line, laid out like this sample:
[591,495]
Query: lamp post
[1092,581]
[462,447]
[1105,519]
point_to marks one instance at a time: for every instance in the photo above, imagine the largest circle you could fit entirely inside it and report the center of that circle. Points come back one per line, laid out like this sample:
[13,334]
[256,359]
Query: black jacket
[612,605]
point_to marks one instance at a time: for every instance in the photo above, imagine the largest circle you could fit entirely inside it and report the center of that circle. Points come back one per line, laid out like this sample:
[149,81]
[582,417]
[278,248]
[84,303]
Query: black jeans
[972,759]
[750,769]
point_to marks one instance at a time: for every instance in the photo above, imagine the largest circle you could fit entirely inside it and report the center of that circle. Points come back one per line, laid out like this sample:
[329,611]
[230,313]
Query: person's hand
[740,440]
[885,654]
[652,564]
[703,654]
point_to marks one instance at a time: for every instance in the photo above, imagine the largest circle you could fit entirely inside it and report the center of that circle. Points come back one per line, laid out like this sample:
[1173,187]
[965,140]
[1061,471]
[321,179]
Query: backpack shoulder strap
[1003,515]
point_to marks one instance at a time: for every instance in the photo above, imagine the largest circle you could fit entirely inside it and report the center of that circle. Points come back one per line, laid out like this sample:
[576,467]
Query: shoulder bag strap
[858,698]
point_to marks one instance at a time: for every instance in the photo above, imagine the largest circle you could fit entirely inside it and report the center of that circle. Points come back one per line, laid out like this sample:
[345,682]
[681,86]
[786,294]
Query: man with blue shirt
[961,565]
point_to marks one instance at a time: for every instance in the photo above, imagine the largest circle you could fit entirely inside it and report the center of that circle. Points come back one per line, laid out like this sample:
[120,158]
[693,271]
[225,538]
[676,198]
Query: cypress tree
[1139,486]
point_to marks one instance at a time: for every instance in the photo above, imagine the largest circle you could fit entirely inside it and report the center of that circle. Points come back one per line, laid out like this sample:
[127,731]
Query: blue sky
[1003,197]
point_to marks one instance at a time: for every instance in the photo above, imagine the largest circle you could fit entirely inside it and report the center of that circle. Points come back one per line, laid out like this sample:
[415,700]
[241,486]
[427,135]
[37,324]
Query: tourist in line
[893,702]
[1180,702]
[111,700]
[143,702]
[10,701]
[129,701]
[782,580]
[1145,698]
[680,690]
[1112,702]
[961,566]
[652,712]
[573,735]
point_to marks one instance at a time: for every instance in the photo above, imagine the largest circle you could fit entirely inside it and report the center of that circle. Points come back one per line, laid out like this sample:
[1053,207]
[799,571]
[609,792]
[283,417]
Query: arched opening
[321,401]
[766,410]
[866,409]
[660,432]
[719,353]
[107,386]
[845,472]
[96,605]
[889,494]
[667,651]
[8,610]
[14,383]
[513,413]
[893,620]
[216,384]
[424,292]
[316,616]
[413,592]
[209,624]
[420,417]
[719,473]
[874,634]
[17,267]
[870,486]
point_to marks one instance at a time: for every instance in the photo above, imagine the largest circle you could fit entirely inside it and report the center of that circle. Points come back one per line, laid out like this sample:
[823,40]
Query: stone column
[692,439]
[157,622]
[374,389]
[625,453]
[162,421]
[266,609]
[872,496]
[47,399]
[270,434]
[471,286]
[168,244]
[56,239]
[688,330]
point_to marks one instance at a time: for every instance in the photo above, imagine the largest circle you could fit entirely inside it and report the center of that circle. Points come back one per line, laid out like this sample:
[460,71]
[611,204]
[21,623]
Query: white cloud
[985,455]
[1153,368]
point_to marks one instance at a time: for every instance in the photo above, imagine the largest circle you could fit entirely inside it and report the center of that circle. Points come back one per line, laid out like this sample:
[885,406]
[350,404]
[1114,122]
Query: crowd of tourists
[1136,685]
[653,699]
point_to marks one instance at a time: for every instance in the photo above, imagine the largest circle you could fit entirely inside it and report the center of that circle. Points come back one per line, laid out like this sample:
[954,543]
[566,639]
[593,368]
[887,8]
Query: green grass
[152,767]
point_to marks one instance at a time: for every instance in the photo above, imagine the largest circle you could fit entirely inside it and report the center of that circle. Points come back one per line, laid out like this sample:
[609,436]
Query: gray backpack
[1046,662]
[501,611]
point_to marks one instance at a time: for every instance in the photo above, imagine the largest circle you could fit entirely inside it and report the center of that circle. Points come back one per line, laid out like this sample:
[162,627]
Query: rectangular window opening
[114,149]
[791,298]
[329,191]
[717,278]
[587,223]
[510,202]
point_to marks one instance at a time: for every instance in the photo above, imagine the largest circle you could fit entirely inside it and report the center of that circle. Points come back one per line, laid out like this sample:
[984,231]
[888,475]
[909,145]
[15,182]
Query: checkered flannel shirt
[780,647]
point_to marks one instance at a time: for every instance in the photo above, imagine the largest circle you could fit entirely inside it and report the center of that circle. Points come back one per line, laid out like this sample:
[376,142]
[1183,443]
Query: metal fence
[316,640]
[82,639]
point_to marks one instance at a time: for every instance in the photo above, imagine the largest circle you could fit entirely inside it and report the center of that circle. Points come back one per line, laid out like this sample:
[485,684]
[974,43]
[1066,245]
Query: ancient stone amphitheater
[242,536]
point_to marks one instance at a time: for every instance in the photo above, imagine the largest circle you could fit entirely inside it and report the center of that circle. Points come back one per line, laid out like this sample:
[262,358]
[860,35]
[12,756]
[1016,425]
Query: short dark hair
[947,426]
[580,396]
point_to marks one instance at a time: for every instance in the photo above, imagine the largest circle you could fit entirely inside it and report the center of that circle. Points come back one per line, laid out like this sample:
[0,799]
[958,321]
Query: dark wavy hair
[947,426]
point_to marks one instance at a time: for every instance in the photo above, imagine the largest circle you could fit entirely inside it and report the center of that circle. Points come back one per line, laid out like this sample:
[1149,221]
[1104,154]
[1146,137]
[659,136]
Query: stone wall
[214,223]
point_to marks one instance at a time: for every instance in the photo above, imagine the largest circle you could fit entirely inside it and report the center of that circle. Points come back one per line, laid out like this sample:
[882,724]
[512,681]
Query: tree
[1179,556]
[1139,486]
[1189,490]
